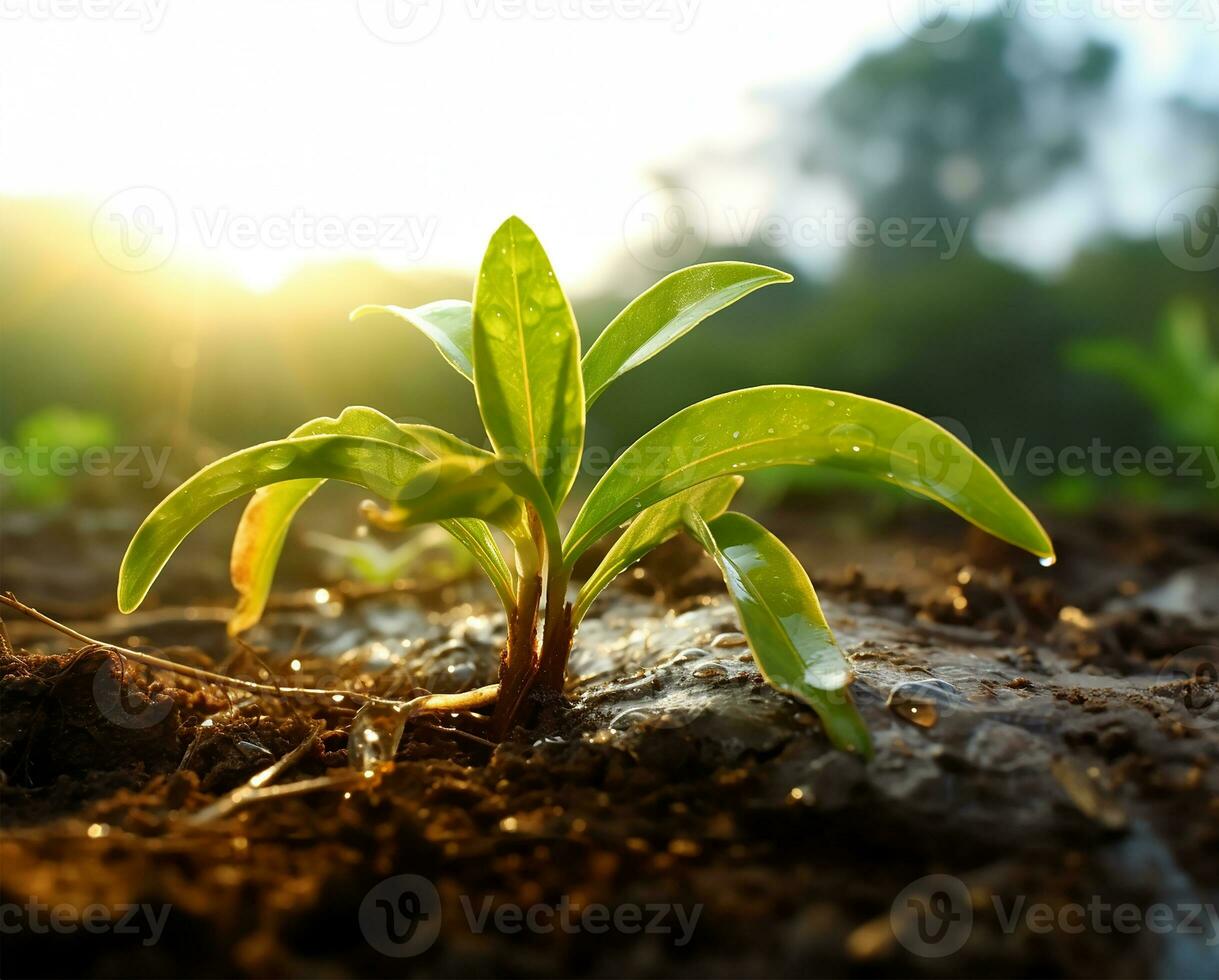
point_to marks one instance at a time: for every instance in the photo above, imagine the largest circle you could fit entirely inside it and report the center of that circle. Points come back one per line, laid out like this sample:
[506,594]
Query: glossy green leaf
[478,540]
[651,528]
[784,424]
[791,641]
[447,323]
[494,490]
[381,467]
[527,359]
[669,310]
[264,524]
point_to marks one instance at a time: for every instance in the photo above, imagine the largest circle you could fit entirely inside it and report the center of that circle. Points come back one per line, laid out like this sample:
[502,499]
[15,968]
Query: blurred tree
[954,129]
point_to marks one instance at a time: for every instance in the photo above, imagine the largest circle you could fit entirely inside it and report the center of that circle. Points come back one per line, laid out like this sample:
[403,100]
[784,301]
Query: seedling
[519,346]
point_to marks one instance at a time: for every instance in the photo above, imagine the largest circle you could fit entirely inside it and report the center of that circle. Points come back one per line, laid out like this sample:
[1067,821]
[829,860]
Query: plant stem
[557,636]
[517,664]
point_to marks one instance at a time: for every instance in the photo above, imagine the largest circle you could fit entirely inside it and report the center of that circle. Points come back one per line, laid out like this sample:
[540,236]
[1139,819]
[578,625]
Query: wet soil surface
[1044,799]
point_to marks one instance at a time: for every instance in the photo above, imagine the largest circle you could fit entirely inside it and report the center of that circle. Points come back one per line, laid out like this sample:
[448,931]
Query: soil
[1043,735]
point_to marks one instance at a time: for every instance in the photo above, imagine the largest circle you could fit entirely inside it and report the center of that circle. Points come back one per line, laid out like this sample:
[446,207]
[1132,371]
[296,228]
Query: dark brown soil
[1067,763]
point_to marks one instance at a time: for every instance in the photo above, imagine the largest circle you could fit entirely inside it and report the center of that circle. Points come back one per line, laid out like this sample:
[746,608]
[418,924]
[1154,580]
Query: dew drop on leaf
[279,457]
[851,439]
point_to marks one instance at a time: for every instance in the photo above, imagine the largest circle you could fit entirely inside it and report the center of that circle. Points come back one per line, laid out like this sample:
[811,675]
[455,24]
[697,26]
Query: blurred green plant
[1178,377]
[519,345]
[435,554]
[44,458]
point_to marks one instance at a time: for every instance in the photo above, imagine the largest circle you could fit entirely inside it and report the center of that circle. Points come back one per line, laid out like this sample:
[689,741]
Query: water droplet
[1089,792]
[278,458]
[852,439]
[689,655]
[376,732]
[709,671]
[1047,562]
[922,703]
[227,484]
[737,434]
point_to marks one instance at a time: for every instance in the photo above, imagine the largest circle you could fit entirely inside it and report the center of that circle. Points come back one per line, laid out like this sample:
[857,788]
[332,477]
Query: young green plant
[517,343]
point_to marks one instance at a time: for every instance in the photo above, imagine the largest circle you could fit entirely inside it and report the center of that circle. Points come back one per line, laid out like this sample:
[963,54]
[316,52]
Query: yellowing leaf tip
[366,310]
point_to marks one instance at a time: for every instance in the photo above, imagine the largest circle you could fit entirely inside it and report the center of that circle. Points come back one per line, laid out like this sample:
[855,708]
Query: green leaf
[791,641]
[447,323]
[651,528]
[264,524]
[669,310]
[477,538]
[527,359]
[785,424]
[381,467]
[494,490]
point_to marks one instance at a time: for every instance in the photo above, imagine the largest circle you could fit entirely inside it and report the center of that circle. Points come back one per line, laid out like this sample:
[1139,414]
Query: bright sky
[403,130]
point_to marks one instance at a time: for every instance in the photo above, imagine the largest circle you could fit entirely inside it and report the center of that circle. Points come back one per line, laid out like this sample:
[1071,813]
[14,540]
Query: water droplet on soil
[376,732]
[922,702]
